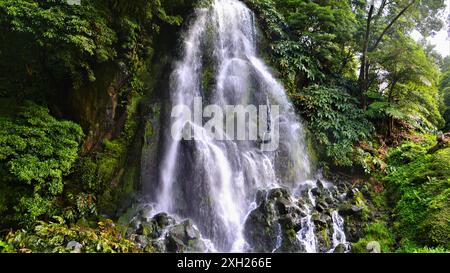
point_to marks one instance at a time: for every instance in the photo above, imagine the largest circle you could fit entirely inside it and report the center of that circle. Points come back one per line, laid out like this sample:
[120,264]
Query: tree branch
[380,10]
[391,24]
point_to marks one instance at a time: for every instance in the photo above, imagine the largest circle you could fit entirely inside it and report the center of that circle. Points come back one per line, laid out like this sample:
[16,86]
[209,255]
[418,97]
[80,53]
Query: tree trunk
[363,79]
[391,100]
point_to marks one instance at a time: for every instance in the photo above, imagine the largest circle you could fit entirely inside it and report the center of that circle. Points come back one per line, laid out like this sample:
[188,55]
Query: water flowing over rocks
[235,194]
[306,221]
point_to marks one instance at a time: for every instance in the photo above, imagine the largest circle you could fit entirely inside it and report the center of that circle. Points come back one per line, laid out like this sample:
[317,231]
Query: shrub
[420,191]
[337,122]
[36,152]
[55,236]
[379,232]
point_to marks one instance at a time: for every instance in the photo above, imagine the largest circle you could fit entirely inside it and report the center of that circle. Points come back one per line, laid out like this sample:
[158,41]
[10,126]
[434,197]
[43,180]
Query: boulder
[341,248]
[74,247]
[347,208]
[184,237]
[373,247]
[164,220]
[276,218]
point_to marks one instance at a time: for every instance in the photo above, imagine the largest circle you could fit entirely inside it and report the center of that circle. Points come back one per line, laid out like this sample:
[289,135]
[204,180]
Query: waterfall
[339,237]
[214,182]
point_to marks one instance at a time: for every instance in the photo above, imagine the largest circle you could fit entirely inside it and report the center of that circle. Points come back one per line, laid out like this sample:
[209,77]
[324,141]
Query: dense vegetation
[74,81]
[87,63]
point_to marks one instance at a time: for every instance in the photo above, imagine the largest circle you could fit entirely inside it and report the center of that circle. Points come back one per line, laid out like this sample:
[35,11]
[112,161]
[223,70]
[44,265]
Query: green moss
[149,131]
[326,238]
[419,188]
[408,151]
[361,202]
[311,146]
[291,234]
[208,80]
[379,232]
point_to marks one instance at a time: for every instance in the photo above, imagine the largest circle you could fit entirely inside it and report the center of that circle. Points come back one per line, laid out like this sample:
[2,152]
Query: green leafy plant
[36,152]
[335,119]
[375,232]
[55,237]
[419,190]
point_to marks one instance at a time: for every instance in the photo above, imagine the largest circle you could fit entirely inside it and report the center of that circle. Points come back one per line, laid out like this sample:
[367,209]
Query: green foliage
[53,44]
[323,29]
[410,91]
[54,47]
[378,232]
[408,151]
[63,38]
[103,177]
[420,191]
[36,152]
[54,237]
[409,247]
[335,119]
[5,247]
[308,39]
[444,89]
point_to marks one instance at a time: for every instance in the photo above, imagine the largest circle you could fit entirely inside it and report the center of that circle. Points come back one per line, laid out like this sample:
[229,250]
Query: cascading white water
[339,237]
[215,182]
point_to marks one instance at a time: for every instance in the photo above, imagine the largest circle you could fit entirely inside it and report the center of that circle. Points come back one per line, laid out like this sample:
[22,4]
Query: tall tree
[387,17]
[406,85]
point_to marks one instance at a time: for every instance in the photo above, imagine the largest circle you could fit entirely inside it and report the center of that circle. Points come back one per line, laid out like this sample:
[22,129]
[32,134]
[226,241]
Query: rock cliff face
[110,109]
[95,106]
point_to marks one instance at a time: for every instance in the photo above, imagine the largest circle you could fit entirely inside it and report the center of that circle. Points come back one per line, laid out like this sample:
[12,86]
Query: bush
[54,237]
[379,232]
[420,192]
[5,247]
[336,120]
[36,152]
[409,247]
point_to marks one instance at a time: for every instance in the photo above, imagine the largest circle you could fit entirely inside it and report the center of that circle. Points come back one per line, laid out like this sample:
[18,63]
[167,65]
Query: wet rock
[354,228]
[261,226]
[320,186]
[141,240]
[164,220]
[145,213]
[341,248]
[149,229]
[274,223]
[158,246]
[324,236]
[321,206]
[290,244]
[350,193]
[321,220]
[184,237]
[163,234]
[330,201]
[349,209]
